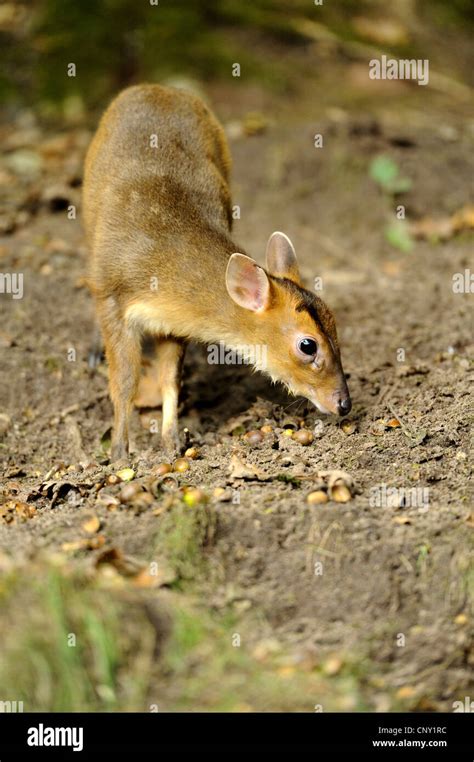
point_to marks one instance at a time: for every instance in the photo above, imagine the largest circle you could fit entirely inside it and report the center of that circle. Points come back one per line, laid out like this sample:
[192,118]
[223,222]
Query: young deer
[157,213]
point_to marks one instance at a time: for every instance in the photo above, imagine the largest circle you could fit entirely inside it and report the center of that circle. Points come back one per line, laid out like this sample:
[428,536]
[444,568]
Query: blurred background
[280,45]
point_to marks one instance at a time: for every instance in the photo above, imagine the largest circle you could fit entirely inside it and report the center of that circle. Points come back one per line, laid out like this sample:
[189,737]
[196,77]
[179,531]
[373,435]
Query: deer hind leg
[123,352]
[170,355]
[96,349]
[149,391]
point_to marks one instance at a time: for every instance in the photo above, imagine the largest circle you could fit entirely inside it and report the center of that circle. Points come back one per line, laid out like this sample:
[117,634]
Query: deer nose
[344,406]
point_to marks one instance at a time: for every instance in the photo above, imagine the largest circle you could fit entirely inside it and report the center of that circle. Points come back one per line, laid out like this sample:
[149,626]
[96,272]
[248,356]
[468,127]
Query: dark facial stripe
[307,300]
[310,308]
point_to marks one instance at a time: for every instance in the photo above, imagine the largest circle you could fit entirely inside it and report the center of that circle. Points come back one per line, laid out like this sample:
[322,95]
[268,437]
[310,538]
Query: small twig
[417,438]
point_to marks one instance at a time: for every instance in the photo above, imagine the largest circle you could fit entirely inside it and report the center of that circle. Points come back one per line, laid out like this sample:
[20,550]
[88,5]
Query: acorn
[193,496]
[126,474]
[181,465]
[142,500]
[303,436]
[192,453]
[348,427]
[129,491]
[253,437]
[266,429]
[317,497]
[340,493]
[162,468]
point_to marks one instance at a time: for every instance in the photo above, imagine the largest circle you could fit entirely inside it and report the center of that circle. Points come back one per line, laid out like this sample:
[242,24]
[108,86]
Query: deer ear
[247,283]
[281,258]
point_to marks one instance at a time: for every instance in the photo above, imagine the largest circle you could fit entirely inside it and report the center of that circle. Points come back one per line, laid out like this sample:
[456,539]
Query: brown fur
[163,216]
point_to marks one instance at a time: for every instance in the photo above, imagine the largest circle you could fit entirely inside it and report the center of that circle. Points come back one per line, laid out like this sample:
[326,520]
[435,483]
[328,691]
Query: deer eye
[308,347]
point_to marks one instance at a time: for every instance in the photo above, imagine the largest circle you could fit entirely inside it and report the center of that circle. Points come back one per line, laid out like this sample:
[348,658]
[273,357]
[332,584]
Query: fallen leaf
[236,422]
[240,470]
[378,428]
[431,229]
[442,228]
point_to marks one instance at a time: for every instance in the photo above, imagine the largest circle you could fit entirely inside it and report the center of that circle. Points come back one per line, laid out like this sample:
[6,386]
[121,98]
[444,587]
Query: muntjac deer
[157,211]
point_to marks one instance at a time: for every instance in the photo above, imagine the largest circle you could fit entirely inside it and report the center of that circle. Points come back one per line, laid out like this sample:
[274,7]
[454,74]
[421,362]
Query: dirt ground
[372,597]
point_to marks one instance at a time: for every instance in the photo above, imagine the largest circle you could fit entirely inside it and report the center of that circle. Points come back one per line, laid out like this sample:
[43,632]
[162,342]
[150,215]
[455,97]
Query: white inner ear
[247,283]
[281,258]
